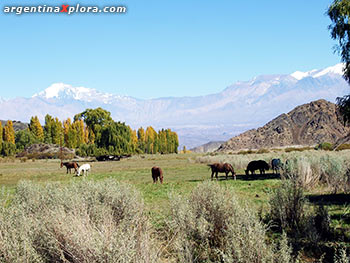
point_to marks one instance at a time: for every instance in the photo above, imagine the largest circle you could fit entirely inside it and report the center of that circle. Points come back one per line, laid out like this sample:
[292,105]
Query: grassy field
[181,175]
[182,172]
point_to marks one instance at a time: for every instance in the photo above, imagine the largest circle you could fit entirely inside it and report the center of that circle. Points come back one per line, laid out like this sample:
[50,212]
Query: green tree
[8,148]
[339,13]
[36,129]
[57,132]
[24,138]
[48,128]
[116,138]
[95,119]
[141,139]
[163,141]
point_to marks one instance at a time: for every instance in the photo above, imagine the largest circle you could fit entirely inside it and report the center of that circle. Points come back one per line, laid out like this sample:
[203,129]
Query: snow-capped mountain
[336,70]
[241,106]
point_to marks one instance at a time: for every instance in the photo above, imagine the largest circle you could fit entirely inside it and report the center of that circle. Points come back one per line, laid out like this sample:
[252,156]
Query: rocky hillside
[17,125]
[306,125]
[208,147]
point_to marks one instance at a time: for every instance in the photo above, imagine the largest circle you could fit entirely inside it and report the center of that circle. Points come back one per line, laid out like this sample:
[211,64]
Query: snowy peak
[337,69]
[59,90]
[65,91]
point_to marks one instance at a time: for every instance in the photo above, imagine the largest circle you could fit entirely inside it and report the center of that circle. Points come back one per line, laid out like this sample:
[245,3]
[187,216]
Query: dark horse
[157,173]
[257,165]
[70,165]
[276,165]
[221,168]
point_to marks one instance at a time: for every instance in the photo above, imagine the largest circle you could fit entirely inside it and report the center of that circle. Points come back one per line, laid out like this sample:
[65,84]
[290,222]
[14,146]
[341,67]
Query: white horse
[85,168]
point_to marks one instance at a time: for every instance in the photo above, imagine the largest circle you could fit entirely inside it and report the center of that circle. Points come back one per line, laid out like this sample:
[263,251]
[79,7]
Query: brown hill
[208,147]
[17,125]
[306,125]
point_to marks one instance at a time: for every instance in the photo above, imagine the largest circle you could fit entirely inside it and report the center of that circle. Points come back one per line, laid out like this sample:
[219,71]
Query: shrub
[260,151]
[82,222]
[305,172]
[295,149]
[288,207]
[8,149]
[211,226]
[334,173]
[246,152]
[342,147]
[326,146]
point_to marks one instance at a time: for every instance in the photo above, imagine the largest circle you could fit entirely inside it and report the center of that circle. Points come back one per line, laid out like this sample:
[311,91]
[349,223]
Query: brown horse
[157,173]
[70,165]
[221,168]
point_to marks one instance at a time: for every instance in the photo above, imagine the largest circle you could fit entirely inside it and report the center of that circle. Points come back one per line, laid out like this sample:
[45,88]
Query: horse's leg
[212,175]
[216,175]
[226,174]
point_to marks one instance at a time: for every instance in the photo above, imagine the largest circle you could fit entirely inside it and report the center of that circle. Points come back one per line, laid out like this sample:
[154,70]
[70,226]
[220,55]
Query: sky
[161,48]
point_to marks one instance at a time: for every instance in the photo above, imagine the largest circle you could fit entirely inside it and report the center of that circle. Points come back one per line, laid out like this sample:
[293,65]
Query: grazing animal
[85,168]
[70,165]
[276,165]
[257,165]
[157,173]
[221,168]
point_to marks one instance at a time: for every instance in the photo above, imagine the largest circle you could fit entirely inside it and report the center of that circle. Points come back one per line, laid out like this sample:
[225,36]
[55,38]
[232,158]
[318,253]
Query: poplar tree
[36,129]
[48,129]
[9,132]
[57,132]
[141,139]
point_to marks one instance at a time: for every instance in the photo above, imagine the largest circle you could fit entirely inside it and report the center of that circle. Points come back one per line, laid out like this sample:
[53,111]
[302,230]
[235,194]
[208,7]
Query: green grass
[181,175]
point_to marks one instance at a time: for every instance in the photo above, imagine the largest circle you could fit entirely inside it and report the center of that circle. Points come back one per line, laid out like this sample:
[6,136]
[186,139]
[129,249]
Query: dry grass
[82,222]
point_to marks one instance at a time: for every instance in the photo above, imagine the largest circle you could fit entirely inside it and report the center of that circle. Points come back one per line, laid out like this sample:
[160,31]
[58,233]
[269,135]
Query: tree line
[92,132]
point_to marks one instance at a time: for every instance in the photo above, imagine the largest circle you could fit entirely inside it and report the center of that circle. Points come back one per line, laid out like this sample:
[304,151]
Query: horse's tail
[77,164]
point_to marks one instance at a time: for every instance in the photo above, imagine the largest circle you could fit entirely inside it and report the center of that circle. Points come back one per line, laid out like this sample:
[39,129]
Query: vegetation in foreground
[181,214]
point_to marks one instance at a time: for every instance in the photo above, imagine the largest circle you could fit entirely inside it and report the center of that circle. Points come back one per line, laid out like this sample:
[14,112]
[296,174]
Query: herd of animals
[157,172]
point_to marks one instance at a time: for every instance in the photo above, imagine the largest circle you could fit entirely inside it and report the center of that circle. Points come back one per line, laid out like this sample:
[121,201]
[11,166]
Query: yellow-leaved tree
[9,132]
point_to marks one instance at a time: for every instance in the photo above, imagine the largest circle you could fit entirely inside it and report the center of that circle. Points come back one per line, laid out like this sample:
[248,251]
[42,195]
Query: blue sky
[162,48]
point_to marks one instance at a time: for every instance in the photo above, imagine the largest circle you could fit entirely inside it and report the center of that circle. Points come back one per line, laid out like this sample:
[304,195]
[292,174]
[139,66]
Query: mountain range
[197,120]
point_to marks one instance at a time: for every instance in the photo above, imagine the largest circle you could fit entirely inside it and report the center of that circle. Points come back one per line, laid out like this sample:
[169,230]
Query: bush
[8,149]
[335,173]
[288,207]
[342,147]
[82,222]
[260,151]
[305,172]
[211,226]
[326,146]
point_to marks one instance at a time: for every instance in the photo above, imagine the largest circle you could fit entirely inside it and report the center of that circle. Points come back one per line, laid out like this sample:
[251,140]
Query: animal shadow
[253,177]
[329,199]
